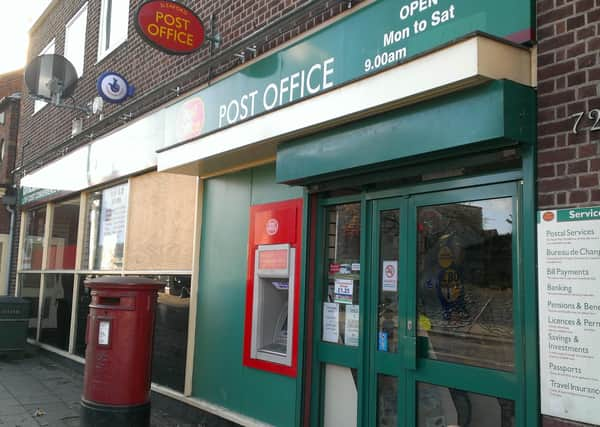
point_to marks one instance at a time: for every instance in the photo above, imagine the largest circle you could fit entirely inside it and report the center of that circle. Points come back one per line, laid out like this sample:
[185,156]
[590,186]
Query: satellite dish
[51,77]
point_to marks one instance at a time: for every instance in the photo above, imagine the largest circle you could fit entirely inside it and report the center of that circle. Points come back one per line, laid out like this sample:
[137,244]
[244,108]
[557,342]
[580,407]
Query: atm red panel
[276,224]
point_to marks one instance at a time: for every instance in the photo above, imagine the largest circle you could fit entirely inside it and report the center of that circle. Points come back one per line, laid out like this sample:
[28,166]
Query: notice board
[569,313]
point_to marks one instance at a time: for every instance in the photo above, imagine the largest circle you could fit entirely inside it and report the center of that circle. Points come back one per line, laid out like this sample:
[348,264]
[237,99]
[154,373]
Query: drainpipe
[10,209]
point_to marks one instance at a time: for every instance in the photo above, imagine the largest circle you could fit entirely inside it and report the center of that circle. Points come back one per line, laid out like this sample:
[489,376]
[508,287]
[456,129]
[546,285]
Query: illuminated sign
[170,27]
[391,32]
[276,259]
[190,118]
[113,87]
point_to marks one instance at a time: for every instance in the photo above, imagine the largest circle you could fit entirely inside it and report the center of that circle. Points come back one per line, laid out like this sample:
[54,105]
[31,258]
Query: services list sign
[569,310]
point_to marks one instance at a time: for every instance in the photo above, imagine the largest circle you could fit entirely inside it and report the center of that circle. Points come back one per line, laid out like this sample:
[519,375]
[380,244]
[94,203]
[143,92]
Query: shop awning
[461,64]
[499,113]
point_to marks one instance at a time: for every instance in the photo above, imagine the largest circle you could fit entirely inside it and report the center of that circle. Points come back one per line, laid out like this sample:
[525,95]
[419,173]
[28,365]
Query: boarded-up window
[160,232]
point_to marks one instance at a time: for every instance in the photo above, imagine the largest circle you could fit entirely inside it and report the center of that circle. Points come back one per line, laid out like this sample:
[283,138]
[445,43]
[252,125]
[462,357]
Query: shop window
[35,221]
[83,308]
[29,289]
[171,332]
[106,218]
[48,50]
[342,289]
[114,20]
[63,244]
[75,39]
[56,310]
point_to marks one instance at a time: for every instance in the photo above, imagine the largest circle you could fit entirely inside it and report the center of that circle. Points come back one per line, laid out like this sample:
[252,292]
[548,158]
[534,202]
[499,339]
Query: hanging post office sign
[170,27]
[569,310]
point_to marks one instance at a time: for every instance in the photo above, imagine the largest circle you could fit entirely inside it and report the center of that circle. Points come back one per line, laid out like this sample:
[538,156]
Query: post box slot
[109,300]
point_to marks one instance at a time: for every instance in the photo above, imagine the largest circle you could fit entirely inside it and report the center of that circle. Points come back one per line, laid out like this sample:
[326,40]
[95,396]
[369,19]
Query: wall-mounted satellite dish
[51,77]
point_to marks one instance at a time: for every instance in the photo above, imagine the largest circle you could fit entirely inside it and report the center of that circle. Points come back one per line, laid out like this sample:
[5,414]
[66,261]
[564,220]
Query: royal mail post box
[118,356]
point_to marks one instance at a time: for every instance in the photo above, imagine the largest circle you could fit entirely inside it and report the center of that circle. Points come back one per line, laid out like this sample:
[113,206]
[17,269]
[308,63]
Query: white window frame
[73,37]
[48,50]
[105,21]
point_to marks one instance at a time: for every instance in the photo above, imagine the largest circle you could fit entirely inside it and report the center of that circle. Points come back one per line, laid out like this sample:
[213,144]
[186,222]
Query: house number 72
[592,115]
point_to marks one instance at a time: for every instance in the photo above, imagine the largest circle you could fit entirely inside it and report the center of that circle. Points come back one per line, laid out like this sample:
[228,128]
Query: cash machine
[272,293]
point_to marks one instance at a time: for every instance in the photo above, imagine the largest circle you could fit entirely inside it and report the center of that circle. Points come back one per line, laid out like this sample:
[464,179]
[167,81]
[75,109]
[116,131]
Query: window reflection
[30,290]
[440,406]
[56,310]
[105,228]
[34,237]
[465,291]
[387,401]
[171,332]
[64,236]
[84,298]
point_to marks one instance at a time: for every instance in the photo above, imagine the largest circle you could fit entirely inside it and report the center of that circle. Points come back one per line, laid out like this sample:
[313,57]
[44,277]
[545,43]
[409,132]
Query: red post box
[118,356]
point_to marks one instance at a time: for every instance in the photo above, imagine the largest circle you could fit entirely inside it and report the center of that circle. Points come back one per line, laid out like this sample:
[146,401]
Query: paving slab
[38,391]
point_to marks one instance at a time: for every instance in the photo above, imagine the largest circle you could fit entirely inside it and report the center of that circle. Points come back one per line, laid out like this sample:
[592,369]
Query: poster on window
[331,318]
[111,234]
[569,313]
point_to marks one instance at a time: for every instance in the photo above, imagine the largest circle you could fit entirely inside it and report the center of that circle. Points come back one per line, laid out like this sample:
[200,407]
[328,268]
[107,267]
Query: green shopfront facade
[406,134]
[440,260]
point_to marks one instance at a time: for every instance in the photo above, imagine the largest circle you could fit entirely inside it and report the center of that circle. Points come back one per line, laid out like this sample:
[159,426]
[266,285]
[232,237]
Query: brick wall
[569,75]
[568,83]
[10,83]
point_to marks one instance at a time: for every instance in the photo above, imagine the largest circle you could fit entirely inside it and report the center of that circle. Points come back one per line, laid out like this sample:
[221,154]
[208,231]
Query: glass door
[391,344]
[465,293]
[418,298]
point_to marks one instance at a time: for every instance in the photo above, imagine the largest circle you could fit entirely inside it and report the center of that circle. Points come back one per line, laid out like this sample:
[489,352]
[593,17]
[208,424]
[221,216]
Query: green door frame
[520,386]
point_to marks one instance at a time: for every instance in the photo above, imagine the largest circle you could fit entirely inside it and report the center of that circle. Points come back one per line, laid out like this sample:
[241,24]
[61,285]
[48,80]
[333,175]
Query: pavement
[39,390]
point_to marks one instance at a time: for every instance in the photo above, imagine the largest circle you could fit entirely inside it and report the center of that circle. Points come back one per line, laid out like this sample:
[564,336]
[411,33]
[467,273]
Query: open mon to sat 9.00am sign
[170,27]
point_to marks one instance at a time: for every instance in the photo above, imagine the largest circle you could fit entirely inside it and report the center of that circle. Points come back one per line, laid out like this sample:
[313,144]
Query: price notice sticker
[569,313]
[343,290]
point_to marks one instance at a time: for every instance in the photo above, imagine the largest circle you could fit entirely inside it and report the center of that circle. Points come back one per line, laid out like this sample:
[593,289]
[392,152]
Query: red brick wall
[568,74]
[568,78]
[10,83]
[8,138]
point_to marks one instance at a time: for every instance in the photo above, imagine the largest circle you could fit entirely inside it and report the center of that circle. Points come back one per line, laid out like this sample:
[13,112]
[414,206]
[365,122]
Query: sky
[18,19]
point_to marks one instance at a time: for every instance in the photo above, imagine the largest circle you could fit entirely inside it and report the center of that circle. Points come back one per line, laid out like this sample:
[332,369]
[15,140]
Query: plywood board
[161,222]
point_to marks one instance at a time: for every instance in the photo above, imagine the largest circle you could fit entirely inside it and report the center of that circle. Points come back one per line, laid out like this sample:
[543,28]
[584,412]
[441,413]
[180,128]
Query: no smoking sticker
[390,276]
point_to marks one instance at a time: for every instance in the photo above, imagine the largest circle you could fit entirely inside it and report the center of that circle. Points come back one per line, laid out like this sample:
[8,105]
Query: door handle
[410,352]
[410,346]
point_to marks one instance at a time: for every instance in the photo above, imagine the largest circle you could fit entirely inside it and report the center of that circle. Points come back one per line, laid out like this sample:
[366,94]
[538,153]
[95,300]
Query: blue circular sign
[113,87]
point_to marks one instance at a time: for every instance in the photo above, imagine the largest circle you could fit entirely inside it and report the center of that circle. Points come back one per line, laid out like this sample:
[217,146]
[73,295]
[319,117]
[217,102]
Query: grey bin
[14,320]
